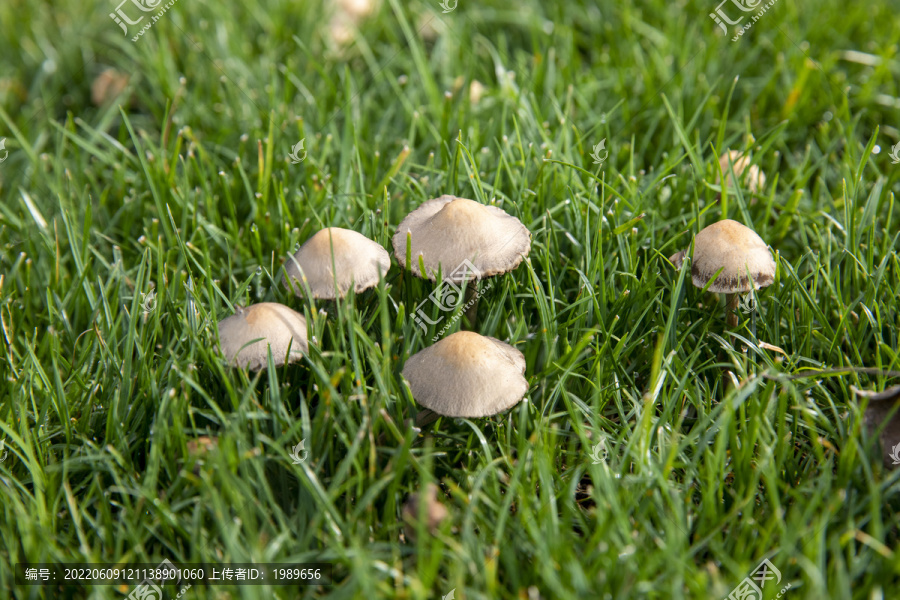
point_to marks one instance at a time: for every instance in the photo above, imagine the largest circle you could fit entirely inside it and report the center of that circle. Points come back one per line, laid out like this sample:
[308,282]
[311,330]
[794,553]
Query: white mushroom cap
[756,179]
[448,231]
[277,325]
[735,247]
[358,261]
[467,375]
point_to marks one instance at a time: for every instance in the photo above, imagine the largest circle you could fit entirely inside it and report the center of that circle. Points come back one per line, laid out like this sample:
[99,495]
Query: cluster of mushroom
[326,266]
[467,374]
[463,375]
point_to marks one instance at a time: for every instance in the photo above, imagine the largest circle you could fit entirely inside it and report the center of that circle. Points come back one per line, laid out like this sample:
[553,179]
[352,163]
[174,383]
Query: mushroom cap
[278,325]
[467,375]
[448,231]
[735,247]
[358,261]
[756,179]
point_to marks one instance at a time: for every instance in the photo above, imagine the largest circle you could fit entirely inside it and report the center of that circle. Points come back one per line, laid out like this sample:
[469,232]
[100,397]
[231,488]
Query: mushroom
[347,17]
[467,375]
[756,179]
[476,91]
[448,231]
[451,235]
[246,335]
[882,404]
[336,258]
[739,253]
[435,512]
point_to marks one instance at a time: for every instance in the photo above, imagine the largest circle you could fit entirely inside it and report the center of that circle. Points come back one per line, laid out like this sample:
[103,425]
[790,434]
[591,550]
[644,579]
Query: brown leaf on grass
[767,346]
[878,410]
[888,394]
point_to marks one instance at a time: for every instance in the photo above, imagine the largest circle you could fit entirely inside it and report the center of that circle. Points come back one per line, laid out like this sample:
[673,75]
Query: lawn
[152,182]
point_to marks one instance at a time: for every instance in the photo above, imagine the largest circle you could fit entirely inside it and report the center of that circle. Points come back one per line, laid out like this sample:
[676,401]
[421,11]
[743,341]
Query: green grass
[182,187]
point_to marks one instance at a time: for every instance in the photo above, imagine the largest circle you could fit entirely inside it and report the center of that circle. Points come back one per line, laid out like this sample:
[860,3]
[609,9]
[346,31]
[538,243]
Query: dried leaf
[878,410]
[766,346]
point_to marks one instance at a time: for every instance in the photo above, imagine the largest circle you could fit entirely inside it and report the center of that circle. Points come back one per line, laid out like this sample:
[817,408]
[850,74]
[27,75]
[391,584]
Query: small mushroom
[429,27]
[756,179]
[347,17]
[476,91]
[741,255]
[435,512]
[246,335]
[467,375]
[448,231]
[882,404]
[356,261]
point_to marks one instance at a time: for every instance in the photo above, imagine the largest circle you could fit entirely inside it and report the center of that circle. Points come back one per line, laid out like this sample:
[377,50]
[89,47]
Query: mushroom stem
[472,304]
[426,417]
[731,305]
[731,319]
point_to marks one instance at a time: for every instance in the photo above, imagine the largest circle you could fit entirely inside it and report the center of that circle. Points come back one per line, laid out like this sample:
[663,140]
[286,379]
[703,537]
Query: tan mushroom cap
[756,179]
[447,231]
[277,325]
[467,375]
[735,247]
[358,262]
